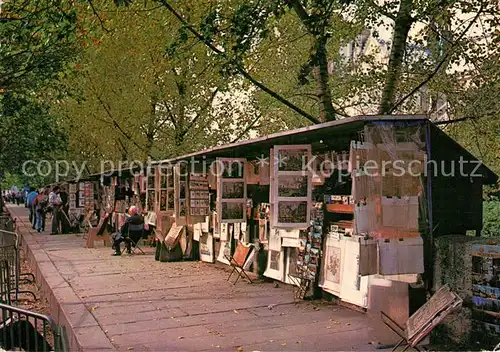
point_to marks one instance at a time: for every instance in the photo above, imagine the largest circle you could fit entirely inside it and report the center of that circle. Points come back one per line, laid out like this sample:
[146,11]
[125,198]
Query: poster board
[241,253]
[199,195]
[275,265]
[165,189]
[206,248]
[431,314]
[231,190]
[181,192]
[291,190]
[224,251]
[173,235]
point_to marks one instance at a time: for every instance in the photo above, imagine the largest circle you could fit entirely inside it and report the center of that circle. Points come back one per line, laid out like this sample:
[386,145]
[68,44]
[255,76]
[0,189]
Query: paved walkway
[136,303]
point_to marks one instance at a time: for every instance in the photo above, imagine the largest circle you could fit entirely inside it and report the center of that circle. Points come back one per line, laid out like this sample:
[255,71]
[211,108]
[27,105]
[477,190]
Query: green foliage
[491,218]
[142,91]
[37,38]
[27,132]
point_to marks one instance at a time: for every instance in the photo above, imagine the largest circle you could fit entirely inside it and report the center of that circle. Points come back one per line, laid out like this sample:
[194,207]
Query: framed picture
[72,188]
[292,212]
[163,200]
[231,186]
[291,186]
[233,211]
[294,158]
[231,190]
[275,265]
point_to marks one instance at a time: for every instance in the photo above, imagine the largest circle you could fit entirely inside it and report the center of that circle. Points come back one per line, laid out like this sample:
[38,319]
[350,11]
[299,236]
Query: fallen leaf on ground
[180,337]
[283,344]
[299,342]
[328,327]
[130,348]
[235,311]
[348,324]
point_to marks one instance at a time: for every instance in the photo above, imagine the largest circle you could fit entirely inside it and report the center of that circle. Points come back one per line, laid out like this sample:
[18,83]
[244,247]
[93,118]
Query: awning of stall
[125,171]
[328,135]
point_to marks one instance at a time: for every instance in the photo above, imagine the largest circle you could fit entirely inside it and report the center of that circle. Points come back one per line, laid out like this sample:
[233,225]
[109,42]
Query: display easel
[302,285]
[93,233]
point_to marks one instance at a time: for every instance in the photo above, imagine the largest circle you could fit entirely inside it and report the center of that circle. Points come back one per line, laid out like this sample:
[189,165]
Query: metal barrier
[30,331]
[25,329]
[10,251]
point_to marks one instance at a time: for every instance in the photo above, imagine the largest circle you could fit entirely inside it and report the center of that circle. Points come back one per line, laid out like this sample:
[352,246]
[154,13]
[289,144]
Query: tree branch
[91,3]
[439,65]
[239,68]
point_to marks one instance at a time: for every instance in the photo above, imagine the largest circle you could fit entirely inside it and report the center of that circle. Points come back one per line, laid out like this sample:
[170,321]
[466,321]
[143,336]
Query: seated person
[132,230]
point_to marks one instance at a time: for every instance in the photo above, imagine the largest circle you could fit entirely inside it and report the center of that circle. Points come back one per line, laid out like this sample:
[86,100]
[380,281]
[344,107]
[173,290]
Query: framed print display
[199,196]
[206,248]
[72,188]
[231,190]
[291,186]
[275,265]
[165,191]
[180,190]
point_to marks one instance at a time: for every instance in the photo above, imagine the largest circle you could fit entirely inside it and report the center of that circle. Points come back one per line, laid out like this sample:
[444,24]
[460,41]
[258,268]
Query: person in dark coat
[131,231]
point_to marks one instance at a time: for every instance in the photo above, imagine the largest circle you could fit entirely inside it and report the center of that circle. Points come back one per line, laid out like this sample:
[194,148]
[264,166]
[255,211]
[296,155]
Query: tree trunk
[150,134]
[402,26]
[326,110]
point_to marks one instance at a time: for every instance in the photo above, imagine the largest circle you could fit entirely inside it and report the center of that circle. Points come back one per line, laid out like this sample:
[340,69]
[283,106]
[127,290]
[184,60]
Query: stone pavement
[136,303]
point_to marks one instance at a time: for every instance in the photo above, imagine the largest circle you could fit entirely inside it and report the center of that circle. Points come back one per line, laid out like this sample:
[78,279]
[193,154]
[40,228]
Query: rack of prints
[72,196]
[309,252]
[88,192]
[199,196]
[291,186]
[231,190]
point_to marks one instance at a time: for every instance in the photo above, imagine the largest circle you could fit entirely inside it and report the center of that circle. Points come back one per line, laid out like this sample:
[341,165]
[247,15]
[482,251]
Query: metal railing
[10,251]
[31,331]
[21,328]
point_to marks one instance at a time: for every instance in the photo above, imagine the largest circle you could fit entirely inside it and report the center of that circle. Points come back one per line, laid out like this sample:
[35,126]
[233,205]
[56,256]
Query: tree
[144,92]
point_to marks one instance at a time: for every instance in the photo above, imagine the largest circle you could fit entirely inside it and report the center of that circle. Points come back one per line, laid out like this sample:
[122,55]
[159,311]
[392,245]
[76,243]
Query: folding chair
[426,318]
[135,234]
[237,261]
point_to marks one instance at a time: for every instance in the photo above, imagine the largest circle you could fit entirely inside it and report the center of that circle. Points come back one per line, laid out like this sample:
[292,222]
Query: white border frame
[221,181]
[275,199]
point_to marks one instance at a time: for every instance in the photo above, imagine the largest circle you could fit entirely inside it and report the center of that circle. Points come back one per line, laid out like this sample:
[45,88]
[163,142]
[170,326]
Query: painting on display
[292,212]
[199,196]
[150,200]
[293,159]
[72,188]
[163,200]
[232,212]
[231,199]
[291,190]
[332,264]
[224,252]
[232,168]
[232,190]
[206,248]
[275,265]
[292,186]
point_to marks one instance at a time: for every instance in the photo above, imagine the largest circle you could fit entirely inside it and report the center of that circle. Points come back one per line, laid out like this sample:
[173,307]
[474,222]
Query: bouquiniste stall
[348,208]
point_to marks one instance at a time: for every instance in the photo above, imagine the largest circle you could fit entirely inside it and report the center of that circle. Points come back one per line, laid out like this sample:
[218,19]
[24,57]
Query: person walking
[41,203]
[31,209]
[55,205]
